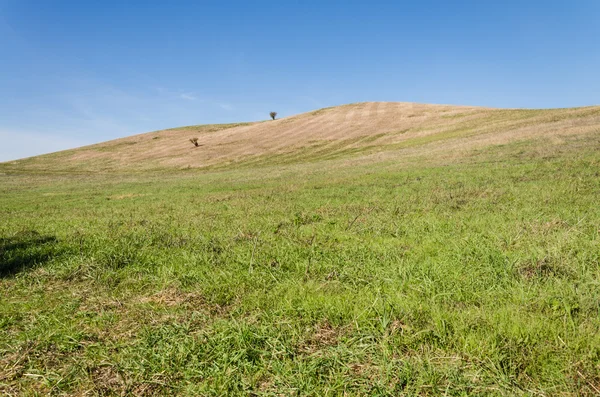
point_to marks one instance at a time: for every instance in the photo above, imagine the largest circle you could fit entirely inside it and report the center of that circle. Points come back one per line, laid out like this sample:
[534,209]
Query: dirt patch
[320,337]
[173,297]
[542,269]
[108,381]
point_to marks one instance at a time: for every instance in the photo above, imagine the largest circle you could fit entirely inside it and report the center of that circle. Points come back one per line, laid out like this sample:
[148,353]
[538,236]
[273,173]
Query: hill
[349,131]
[374,249]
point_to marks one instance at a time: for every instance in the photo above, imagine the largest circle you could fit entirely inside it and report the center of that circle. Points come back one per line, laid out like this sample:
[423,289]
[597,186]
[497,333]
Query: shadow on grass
[24,251]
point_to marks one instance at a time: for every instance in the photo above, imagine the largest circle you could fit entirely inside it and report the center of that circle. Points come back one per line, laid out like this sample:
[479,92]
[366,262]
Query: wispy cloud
[87,111]
[188,96]
[226,106]
[102,109]
[169,94]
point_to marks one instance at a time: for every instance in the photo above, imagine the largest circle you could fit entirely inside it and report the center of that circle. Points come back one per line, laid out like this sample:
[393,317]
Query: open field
[357,250]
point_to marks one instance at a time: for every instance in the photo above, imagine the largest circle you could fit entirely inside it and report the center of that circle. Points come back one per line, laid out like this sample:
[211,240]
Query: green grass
[479,276]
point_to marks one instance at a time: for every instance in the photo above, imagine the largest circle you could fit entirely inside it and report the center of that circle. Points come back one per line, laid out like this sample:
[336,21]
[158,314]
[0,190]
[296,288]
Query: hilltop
[387,129]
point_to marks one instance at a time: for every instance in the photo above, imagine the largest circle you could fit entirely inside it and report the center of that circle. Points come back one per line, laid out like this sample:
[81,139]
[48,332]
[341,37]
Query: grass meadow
[475,276]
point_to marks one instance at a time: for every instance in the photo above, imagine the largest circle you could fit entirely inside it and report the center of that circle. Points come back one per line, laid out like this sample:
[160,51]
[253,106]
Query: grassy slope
[459,265]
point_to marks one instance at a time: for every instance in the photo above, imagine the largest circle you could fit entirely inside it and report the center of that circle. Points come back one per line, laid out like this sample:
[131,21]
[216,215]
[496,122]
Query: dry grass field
[350,131]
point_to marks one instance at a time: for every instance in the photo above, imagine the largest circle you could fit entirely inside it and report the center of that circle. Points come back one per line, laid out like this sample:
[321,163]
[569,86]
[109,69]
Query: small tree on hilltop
[273,115]
[195,141]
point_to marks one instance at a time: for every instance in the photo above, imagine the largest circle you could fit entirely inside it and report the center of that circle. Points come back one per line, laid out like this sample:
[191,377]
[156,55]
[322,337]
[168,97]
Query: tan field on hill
[384,129]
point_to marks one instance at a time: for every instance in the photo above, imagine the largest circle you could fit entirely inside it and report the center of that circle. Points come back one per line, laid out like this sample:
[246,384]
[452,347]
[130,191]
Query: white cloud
[187,96]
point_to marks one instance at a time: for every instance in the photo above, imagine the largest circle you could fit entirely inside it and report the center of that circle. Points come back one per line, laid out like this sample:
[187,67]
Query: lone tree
[195,141]
[273,115]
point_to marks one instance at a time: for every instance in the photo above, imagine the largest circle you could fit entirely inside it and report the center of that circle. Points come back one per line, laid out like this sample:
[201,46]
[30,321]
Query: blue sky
[79,72]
